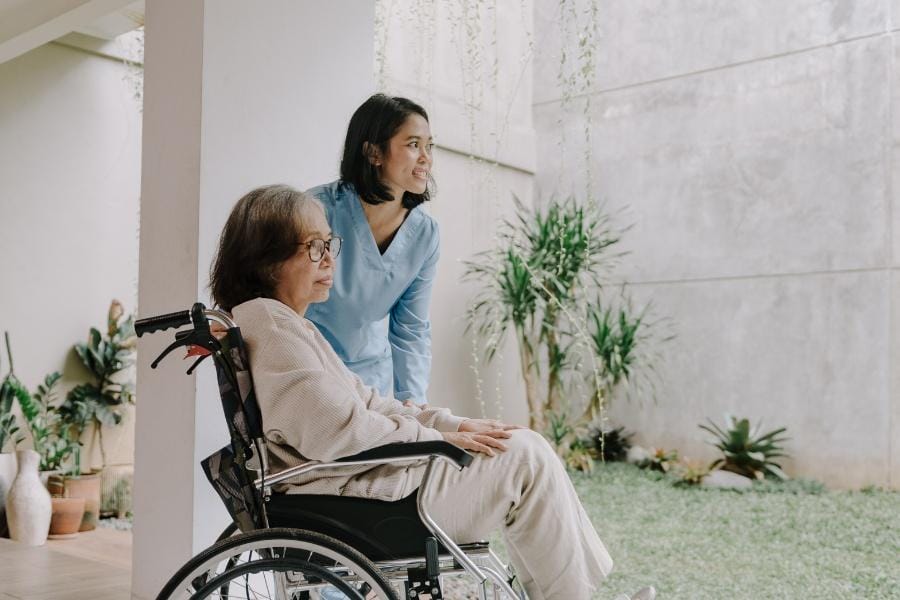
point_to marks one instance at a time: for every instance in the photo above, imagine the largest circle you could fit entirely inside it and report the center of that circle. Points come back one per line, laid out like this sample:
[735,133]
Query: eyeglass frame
[326,247]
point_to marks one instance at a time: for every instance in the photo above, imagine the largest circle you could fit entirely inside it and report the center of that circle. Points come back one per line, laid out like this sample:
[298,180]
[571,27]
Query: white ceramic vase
[28,506]
[8,470]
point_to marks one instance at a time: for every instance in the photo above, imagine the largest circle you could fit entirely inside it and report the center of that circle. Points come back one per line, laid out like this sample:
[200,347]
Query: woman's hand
[218,331]
[484,425]
[486,442]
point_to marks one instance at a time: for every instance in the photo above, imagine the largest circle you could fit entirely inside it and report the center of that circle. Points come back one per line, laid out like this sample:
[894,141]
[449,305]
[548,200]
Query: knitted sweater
[314,408]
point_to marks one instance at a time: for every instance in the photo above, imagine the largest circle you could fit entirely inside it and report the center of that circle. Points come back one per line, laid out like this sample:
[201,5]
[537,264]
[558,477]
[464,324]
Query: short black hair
[376,121]
[261,233]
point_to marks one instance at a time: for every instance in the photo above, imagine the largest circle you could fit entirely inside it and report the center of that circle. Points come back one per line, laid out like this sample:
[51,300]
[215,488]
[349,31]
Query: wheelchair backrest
[232,470]
[236,389]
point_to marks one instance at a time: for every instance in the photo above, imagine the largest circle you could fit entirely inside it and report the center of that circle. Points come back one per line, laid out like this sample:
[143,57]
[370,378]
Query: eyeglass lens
[317,248]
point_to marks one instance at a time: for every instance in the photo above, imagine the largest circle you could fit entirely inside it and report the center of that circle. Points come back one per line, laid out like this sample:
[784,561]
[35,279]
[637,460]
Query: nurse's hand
[411,404]
[487,442]
[483,425]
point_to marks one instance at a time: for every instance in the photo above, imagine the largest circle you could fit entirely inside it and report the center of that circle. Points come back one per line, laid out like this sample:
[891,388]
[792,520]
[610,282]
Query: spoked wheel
[282,564]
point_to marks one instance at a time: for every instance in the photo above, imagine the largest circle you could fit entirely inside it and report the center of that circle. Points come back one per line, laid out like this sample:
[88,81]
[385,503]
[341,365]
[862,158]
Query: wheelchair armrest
[399,450]
[383,454]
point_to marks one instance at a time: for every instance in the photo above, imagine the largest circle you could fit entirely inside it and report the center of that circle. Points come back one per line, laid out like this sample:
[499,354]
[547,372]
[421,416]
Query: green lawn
[789,541]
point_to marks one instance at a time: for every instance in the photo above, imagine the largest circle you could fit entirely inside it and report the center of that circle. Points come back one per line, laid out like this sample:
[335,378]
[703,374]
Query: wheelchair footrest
[428,580]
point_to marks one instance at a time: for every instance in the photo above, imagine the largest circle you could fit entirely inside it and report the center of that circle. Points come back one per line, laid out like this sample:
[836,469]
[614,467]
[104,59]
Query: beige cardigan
[314,408]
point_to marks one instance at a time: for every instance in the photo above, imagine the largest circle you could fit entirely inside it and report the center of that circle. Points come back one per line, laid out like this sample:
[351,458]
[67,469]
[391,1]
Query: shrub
[609,444]
[543,281]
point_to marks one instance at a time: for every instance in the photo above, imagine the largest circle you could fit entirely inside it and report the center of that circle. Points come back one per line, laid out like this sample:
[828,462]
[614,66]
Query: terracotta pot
[8,470]
[28,503]
[54,482]
[87,487]
[48,476]
[65,519]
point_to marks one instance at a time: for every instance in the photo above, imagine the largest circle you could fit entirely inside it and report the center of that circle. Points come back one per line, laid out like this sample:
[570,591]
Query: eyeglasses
[317,248]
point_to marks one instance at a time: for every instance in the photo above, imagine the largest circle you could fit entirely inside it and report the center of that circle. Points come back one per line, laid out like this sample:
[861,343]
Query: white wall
[70,140]
[753,148]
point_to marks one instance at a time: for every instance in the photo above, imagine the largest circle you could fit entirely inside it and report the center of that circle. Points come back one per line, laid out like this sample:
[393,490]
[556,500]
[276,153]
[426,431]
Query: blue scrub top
[376,316]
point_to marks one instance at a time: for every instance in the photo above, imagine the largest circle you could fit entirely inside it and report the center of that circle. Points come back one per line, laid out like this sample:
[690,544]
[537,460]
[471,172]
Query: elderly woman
[275,259]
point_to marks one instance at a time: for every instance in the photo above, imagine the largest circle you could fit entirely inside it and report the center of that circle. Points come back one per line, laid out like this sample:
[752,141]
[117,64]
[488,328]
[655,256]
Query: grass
[791,540]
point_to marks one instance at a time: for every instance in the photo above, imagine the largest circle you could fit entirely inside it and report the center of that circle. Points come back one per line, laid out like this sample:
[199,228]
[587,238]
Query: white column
[237,95]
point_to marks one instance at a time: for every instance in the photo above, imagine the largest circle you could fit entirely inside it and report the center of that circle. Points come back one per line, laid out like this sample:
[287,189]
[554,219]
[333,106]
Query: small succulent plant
[660,460]
[690,473]
[747,451]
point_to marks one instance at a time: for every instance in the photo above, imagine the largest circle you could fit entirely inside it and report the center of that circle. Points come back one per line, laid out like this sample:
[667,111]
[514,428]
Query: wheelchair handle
[162,322]
[193,316]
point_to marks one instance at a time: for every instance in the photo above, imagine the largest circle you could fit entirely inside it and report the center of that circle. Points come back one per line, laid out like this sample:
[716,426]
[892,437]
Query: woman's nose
[327,256]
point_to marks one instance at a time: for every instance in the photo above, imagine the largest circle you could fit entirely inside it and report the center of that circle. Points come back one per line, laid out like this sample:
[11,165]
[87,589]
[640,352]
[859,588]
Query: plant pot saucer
[62,536]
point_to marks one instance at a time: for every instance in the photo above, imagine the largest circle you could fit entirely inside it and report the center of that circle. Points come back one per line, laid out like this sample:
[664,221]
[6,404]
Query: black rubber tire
[266,538]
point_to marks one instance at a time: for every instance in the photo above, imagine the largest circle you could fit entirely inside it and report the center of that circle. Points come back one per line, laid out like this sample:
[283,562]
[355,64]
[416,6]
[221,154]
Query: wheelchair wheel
[283,564]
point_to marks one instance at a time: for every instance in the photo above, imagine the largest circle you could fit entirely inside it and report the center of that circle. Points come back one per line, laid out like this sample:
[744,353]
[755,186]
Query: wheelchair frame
[250,488]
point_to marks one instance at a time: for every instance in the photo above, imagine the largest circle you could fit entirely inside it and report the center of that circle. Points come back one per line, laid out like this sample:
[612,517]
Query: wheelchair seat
[381,530]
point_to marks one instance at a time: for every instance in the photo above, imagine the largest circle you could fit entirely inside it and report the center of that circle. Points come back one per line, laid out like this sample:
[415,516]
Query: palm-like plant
[745,450]
[543,281]
[535,283]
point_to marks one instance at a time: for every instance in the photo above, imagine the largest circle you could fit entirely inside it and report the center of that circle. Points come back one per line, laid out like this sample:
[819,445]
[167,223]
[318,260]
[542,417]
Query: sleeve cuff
[429,434]
[448,422]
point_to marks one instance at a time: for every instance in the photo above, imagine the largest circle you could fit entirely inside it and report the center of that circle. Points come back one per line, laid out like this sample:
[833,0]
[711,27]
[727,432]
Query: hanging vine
[474,27]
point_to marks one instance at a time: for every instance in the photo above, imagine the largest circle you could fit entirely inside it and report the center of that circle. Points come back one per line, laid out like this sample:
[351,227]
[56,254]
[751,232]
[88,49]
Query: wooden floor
[94,566]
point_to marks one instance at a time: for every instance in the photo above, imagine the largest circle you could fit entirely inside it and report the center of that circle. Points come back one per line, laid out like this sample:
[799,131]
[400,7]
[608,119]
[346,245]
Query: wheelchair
[307,547]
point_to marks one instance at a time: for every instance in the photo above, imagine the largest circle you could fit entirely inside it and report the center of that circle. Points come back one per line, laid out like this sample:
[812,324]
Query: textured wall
[752,147]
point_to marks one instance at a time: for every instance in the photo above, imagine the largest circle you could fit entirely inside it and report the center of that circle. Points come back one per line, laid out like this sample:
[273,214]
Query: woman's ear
[372,153]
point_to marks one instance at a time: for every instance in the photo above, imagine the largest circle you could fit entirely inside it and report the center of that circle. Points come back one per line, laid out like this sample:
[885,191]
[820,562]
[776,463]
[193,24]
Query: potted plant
[30,505]
[100,401]
[55,442]
[66,517]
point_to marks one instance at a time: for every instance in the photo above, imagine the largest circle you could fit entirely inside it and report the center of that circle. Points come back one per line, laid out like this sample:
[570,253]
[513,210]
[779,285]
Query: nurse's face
[302,281]
[407,164]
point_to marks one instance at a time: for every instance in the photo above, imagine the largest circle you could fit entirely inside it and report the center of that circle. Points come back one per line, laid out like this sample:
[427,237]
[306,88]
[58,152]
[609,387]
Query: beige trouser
[526,491]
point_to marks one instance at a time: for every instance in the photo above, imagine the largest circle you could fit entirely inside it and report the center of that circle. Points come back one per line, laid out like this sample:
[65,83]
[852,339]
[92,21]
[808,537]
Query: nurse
[376,317]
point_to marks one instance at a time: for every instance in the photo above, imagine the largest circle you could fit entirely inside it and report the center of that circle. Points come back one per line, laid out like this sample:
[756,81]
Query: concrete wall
[70,140]
[472,72]
[753,147]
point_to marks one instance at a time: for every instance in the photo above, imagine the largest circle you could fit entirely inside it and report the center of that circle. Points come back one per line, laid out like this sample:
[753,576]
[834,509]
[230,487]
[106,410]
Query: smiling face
[301,281]
[407,162]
